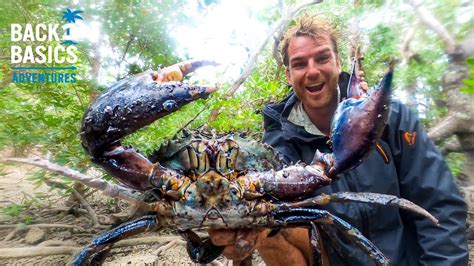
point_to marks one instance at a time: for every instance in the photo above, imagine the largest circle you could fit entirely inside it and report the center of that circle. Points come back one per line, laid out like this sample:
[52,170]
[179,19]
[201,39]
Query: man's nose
[313,69]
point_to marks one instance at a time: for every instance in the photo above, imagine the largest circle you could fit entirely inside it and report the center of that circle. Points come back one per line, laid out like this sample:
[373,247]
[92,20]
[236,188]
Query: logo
[409,137]
[39,55]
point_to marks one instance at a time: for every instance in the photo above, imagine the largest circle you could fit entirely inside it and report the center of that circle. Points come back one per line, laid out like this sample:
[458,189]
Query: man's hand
[289,247]
[239,244]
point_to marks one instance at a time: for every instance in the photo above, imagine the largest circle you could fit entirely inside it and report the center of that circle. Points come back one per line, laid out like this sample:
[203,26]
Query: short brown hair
[310,26]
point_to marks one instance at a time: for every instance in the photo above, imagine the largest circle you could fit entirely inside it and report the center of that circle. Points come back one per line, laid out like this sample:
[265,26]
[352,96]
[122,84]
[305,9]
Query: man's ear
[288,76]
[338,63]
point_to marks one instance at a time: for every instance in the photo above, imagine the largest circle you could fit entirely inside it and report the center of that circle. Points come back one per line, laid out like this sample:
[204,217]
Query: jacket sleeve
[425,179]
[273,136]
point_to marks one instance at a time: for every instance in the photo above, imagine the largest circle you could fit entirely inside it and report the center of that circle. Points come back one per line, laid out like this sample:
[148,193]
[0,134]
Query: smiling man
[414,170]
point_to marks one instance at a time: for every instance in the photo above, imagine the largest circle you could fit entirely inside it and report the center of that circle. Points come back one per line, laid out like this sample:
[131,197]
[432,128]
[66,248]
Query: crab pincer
[129,105]
[356,127]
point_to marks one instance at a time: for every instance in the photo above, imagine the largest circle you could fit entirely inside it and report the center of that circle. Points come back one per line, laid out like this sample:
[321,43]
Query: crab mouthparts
[213,214]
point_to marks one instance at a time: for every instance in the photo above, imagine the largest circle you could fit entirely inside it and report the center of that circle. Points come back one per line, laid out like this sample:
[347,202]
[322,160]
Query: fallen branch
[107,188]
[10,226]
[6,253]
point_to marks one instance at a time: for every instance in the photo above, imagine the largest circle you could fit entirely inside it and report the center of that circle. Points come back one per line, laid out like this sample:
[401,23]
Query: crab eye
[234,191]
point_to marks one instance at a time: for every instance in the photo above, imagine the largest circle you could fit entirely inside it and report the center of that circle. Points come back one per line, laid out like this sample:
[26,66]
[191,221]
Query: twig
[23,227]
[24,252]
[13,233]
[163,248]
[191,120]
[10,226]
[279,25]
[78,196]
[6,253]
[87,206]
[107,188]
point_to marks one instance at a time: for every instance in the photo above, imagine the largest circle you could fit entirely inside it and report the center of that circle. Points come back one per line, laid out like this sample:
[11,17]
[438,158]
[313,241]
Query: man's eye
[298,65]
[323,59]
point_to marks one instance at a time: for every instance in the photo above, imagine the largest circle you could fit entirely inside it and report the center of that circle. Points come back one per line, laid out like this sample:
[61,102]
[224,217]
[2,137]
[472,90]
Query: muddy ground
[64,227]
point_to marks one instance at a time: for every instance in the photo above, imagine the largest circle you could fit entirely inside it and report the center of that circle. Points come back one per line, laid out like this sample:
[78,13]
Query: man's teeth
[315,86]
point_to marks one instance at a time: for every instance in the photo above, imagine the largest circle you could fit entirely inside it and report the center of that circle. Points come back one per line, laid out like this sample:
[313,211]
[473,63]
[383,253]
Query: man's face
[313,71]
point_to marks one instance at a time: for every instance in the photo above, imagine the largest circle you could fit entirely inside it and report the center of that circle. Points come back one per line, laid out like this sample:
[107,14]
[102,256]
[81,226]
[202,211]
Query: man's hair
[308,26]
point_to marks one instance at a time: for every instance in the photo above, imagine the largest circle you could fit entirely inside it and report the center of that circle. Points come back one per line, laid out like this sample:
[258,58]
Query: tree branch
[278,26]
[107,188]
[444,128]
[431,22]
[407,53]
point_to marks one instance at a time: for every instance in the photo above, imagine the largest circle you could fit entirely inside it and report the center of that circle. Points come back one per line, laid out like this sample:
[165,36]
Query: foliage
[469,82]
[455,162]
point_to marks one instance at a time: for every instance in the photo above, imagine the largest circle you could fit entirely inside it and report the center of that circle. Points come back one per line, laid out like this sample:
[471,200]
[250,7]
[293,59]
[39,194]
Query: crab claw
[356,126]
[177,71]
[131,104]
[354,89]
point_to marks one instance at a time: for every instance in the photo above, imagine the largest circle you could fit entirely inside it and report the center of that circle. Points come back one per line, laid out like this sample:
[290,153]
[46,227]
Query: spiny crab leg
[365,197]
[302,216]
[100,246]
[291,182]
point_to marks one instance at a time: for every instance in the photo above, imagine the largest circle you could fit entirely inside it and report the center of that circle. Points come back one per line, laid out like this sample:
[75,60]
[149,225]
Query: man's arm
[426,180]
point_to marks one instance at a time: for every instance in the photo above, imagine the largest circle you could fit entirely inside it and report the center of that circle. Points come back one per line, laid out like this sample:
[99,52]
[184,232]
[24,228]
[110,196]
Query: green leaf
[469,82]
[470,61]
[467,90]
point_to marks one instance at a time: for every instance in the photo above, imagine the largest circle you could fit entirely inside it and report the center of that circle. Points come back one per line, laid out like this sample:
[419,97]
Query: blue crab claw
[356,126]
[354,89]
[131,104]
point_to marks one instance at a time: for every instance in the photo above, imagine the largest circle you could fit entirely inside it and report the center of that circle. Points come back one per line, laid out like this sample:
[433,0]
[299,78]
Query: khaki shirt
[299,117]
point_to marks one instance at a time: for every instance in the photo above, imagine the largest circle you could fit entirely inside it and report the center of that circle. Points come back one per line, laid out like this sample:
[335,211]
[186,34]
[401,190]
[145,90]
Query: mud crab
[210,180]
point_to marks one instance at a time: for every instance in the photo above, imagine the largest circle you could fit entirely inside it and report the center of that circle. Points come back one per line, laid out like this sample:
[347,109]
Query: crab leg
[365,197]
[302,216]
[102,244]
[289,183]
[316,252]
[200,251]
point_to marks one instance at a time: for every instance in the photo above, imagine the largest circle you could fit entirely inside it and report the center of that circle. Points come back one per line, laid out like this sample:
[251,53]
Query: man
[407,165]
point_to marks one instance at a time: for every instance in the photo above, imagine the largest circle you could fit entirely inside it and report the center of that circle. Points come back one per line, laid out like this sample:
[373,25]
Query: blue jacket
[413,170]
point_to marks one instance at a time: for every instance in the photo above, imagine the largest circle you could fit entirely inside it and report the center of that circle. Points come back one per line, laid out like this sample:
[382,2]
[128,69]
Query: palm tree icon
[70,16]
